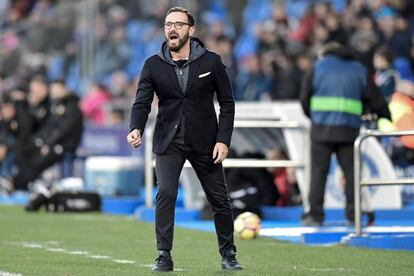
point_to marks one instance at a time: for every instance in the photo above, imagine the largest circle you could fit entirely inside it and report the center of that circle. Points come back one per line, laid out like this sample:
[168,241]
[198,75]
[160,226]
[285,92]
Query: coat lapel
[192,74]
[169,69]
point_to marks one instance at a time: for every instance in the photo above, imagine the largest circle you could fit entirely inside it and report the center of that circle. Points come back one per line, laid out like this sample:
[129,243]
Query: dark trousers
[211,176]
[32,166]
[320,162]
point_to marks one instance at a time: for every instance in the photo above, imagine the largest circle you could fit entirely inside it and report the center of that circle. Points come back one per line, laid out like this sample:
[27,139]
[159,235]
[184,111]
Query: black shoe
[371,218]
[308,220]
[36,201]
[163,264]
[229,262]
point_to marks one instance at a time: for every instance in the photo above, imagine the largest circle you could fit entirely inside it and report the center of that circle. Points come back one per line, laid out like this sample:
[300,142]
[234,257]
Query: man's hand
[134,138]
[44,150]
[220,152]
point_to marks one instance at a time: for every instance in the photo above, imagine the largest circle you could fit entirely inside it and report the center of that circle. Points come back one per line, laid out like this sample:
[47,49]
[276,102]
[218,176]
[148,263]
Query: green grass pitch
[96,244]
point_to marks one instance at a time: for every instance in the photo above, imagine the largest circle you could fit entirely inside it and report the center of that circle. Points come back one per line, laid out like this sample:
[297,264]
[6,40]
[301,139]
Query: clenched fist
[134,138]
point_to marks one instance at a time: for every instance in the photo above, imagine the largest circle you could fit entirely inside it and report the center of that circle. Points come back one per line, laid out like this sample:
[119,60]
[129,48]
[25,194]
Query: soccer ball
[247,226]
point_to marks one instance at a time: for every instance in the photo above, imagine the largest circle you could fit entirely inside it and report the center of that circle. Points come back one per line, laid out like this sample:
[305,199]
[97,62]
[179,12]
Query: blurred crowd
[38,128]
[267,45]
[98,49]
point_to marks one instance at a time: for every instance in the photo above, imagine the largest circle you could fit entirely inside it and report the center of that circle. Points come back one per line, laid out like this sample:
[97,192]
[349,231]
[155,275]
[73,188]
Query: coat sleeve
[374,101]
[143,100]
[225,99]
[306,92]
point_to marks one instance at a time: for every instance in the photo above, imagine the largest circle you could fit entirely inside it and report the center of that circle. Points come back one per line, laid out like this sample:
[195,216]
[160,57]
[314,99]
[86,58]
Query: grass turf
[89,244]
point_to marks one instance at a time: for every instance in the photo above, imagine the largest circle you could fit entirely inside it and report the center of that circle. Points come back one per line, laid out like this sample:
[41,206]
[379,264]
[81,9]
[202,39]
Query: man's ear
[192,30]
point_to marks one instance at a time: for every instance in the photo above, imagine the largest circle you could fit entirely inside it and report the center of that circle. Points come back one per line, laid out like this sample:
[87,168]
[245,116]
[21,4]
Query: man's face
[8,111]
[57,91]
[38,92]
[178,33]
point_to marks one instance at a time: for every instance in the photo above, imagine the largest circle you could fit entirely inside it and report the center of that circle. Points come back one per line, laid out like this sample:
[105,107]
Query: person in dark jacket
[15,131]
[60,134]
[39,110]
[186,76]
[334,95]
[39,103]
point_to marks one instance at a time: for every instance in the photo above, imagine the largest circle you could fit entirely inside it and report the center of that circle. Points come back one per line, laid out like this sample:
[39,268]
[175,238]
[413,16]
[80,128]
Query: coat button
[176,126]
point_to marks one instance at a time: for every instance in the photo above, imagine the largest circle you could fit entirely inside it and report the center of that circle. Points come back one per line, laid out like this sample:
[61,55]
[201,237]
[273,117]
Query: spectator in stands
[224,47]
[16,128]
[4,10]
[120,95]
[334,96]
[39,103]
[37,35]
[59,135]
[268,37]
[114,52]
[336,31]
[386,77]
[252,84]
[304,63]
[94,104]
[287,78]
[401,42]
[10,53]
[117,117]
[364,39]
[402,112]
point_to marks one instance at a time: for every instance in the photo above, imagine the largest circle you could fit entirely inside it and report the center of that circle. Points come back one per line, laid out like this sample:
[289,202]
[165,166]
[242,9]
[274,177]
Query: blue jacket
[334,95]
[338,88]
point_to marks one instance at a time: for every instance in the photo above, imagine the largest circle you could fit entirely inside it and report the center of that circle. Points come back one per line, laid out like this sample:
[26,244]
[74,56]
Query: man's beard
[180,44]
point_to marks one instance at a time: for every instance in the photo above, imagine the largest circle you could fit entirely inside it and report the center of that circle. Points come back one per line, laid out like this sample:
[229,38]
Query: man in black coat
[185,76]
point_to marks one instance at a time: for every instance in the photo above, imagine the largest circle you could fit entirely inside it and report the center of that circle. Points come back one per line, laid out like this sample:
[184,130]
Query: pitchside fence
[234,162]
[358,183]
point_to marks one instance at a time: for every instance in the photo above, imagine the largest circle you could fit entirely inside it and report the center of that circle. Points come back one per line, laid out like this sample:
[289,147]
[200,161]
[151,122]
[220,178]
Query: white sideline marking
[32,245]
[322,269]
[124,261]
[65,251]
[55,249]
[99,257]
[78,252]
[328,269]
[146,265]
[5,273]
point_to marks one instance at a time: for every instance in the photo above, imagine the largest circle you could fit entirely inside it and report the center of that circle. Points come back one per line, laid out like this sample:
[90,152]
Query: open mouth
[173,37]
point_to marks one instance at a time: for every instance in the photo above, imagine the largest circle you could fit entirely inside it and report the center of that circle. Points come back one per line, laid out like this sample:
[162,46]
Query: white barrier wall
[376,162]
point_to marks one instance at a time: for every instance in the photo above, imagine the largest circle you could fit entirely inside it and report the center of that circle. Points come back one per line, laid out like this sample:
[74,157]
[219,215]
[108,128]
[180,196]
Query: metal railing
[232,162]
[358,183]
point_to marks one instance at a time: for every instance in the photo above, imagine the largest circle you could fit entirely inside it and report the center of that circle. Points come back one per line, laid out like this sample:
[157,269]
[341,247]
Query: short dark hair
[190,17]
[385,52]
[61,82]
[39,78]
